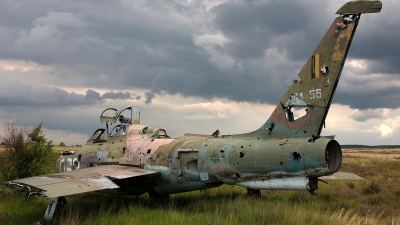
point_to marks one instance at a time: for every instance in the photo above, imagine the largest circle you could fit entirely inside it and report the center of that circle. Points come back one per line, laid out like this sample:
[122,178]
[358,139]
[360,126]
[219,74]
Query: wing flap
[77,186]
[77,181]
[342,176]
[120,171]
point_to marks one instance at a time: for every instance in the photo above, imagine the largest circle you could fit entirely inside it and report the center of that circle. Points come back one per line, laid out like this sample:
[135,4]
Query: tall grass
[339,202]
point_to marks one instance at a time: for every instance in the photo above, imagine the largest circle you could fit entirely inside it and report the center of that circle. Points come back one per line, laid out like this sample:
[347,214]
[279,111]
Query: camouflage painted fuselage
[194,162]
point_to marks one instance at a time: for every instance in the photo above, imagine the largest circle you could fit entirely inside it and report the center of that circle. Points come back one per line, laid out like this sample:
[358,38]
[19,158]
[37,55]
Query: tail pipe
[321,157]
[333,156]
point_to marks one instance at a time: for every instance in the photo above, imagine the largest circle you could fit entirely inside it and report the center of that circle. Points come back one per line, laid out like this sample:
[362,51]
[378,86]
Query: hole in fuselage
[296,155]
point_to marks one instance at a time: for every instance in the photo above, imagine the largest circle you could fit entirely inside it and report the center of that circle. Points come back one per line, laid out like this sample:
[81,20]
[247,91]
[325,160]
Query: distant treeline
[370,146]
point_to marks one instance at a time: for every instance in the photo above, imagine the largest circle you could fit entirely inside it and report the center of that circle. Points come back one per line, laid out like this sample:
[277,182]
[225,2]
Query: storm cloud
[81,54]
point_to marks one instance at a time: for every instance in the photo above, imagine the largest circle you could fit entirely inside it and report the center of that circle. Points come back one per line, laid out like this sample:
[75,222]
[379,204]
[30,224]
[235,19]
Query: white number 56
[315,93]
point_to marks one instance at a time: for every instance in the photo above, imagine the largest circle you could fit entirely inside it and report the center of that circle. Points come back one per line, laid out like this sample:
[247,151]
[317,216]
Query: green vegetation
[375,200]
[24,153]
[62,144]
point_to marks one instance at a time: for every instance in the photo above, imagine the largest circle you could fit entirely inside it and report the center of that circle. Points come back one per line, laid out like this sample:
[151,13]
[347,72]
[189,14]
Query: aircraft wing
[76,181]
[342,176]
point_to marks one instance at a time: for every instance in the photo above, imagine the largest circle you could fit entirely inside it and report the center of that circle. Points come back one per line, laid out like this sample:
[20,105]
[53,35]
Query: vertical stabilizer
[304,107]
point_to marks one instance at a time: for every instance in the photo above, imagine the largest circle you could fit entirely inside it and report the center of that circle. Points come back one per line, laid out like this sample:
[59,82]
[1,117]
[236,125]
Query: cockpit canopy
[152,132]
[98,136]
[127,115]
[129,118]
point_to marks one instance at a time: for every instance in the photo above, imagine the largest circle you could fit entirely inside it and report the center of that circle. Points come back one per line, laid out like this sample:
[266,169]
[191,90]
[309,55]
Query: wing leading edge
[76,181]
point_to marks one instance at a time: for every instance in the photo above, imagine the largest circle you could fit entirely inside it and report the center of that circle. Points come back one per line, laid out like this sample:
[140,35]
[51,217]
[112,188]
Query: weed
[350,184]
[299,197]
[365,209]
[372,188]
[3,218]
[343,191]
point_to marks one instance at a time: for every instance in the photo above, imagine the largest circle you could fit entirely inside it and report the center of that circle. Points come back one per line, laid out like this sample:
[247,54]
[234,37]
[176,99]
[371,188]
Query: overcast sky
[192,66]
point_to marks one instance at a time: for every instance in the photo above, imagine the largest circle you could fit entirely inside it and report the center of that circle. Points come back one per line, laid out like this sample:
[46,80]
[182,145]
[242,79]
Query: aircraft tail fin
[304,107]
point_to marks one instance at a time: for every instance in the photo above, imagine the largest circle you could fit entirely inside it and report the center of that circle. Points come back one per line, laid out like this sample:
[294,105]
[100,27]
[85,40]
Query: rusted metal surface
[142,145]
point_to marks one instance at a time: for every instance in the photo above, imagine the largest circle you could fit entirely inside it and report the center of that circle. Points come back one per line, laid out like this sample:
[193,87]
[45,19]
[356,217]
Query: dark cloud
[79,119]
[364,115]
[149,97]
[90,94]
[362,90]
[256,27]
[254,51]
[377,36]
[377,99]
[117,95]
[37,95]
[18,93]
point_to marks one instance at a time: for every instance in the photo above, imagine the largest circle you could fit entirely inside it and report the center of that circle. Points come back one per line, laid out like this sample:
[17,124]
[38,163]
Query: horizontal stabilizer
[360,6]
[76,181]
[342,176]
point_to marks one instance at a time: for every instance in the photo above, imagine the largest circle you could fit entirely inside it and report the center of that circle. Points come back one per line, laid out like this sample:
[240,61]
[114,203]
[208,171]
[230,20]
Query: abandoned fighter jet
[285,153]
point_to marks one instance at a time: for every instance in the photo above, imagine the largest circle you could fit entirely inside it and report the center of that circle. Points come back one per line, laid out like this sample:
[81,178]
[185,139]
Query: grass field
[375,200]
